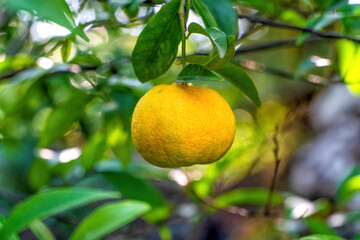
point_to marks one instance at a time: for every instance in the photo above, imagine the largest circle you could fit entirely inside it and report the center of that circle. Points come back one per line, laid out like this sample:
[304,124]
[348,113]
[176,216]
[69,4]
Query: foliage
[67,164]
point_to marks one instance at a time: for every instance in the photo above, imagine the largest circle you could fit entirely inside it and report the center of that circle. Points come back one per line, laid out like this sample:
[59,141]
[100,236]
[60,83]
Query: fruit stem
[183,30]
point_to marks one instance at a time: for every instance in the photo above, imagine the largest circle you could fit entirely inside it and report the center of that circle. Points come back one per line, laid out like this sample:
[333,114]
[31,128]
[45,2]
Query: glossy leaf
[56,11]
[204,13]
[135,188]
[240,79]
[195,73]
[17,90]
[93,150]
[40,230]
[268,7]
[304,66]
[217,37]
[39,174]
[86,60]
[323,4]
[247,196]
[62,118]
[349,63]
[317,23]
[214,61]
[348,187]
[165,233]
[157,45]
[352,217]
[66,50]
[321,237]
[318,226]
[107,218]
[12,236]
[225,16]
[196,59]
[119,138]
[310,63]
[48,203]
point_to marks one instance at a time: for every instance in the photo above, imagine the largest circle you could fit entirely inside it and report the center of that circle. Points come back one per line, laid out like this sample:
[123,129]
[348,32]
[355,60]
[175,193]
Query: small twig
[267,210]
[233,210]
[272,44]
[56,71]
[323,34]
[255,66]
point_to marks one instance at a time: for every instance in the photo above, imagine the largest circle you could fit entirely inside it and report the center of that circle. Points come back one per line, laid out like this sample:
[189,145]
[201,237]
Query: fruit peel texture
[178,125]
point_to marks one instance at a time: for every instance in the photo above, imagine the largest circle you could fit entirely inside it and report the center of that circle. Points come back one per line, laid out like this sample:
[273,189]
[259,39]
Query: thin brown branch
[272,44]
[55,71]
[310,79]
[322,34]
[267,210]
[233,210]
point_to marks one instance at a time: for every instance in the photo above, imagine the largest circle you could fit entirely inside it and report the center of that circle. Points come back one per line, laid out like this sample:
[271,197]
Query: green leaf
[56,11]
[349,63]
[132,9]
[352,217]
[291,16]
[240,79]
[318,226]
[86,60]
[323,4]
[269,7]
[93,150]
[119,138]
[195,73]
[135,188]
[321,237]
[318,22]
[66,50]
[225,16]
[214,61]
[13,236]
[15,92]
[348,187]
[204,13]
[165,233]
[217,37]
[108,218]
[197,59]
[48,203]
[62,117]
[157,45]
[40,230]
[39,174]
[247,196]
[306,65]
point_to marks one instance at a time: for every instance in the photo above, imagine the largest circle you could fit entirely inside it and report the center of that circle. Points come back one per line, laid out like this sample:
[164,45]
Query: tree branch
[267,210]
[322,34]
[233,210]
[311,79]
[272,44]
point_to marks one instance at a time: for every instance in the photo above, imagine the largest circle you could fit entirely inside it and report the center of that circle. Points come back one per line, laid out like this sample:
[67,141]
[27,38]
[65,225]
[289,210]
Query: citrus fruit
[180,125]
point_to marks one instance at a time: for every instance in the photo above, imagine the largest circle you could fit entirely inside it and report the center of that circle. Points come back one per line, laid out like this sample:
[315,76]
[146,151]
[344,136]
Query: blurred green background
[68,90]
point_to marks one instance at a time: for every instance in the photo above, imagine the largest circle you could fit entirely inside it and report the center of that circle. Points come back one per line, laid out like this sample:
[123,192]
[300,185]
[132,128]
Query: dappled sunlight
[179,177]
[63,156]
